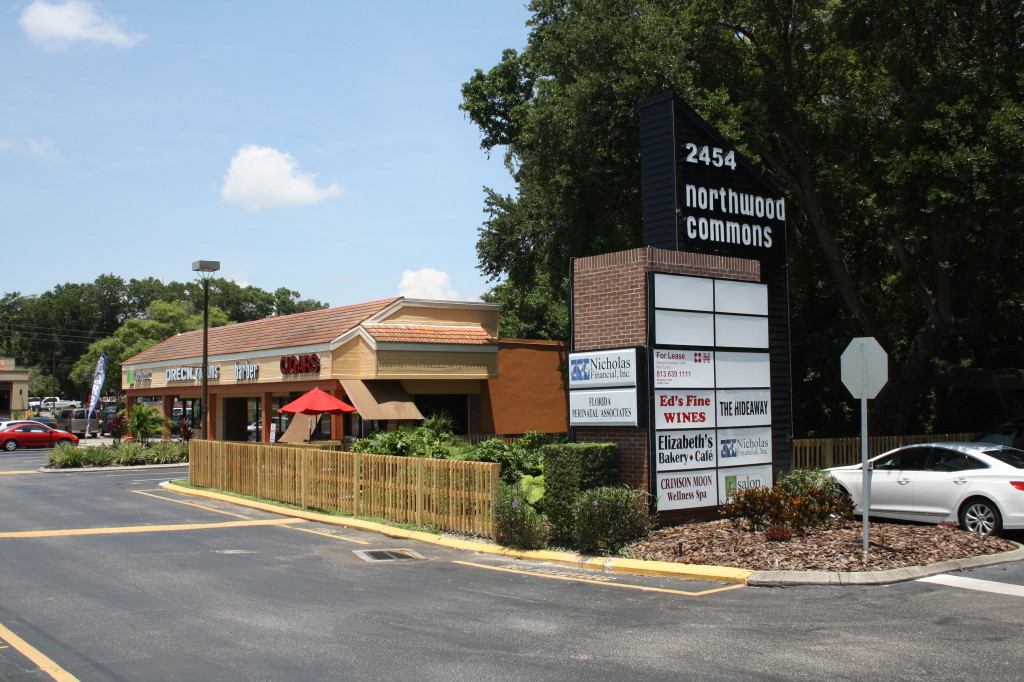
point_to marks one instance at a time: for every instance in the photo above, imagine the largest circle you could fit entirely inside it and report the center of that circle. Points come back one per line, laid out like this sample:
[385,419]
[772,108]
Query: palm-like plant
[145,422]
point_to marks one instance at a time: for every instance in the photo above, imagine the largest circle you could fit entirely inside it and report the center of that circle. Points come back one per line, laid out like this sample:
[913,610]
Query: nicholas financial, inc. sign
[603,388]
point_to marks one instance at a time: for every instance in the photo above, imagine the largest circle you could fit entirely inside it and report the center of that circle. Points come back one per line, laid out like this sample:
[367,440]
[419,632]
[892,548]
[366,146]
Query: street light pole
[206,267]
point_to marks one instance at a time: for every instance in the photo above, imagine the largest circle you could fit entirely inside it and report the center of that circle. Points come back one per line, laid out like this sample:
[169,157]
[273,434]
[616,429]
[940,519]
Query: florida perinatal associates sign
[603,388]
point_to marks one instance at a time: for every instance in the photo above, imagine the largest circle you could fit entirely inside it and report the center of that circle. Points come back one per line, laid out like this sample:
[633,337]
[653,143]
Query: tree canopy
[60,333]
[895,129]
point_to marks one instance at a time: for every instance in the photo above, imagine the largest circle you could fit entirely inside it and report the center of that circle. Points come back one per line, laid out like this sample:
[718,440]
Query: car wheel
[844,503]
[64,441]
[10,445]
[980,516]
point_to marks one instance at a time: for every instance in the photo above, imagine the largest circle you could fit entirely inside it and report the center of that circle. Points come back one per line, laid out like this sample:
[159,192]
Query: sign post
[865,370]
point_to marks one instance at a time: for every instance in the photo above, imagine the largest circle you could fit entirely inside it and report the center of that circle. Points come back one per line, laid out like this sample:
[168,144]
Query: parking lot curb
[895,575]
[662,569]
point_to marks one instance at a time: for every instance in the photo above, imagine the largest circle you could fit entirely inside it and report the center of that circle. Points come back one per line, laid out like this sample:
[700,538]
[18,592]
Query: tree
[163,320]
[145,422]
[61,332]
[895,131]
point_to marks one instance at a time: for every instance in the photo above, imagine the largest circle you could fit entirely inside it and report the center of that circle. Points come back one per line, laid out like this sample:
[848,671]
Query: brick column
[609,298]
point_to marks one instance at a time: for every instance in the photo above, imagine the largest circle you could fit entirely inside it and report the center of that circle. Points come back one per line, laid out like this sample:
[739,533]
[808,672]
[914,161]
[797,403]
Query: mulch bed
[893,545]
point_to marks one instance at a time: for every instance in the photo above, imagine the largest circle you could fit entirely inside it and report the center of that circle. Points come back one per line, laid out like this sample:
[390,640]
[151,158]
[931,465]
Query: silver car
[978,485]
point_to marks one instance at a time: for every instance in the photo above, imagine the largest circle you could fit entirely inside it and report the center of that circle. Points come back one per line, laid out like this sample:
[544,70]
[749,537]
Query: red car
[34,436]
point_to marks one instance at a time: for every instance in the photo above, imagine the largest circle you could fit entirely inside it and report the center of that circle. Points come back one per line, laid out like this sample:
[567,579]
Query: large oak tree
[896,130]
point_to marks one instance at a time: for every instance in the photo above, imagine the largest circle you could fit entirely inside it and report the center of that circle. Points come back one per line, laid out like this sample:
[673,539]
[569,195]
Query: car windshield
[1011,456]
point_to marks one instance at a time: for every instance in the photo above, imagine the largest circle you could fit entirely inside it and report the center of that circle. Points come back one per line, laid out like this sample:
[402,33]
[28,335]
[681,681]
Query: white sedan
[979,485]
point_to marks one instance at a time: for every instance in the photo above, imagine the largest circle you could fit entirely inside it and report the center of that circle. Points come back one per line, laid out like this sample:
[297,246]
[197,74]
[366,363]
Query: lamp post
[206,268]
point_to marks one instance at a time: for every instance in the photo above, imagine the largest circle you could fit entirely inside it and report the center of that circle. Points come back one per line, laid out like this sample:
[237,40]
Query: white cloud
[36,149]
[261,177]
[56,26]
[427,283]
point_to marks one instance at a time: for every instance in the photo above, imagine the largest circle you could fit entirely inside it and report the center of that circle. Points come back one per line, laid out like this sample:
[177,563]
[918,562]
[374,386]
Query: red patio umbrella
[317,402]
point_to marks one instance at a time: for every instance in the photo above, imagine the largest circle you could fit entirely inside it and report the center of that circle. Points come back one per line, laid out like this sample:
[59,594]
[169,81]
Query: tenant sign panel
[603,388]
[710,389]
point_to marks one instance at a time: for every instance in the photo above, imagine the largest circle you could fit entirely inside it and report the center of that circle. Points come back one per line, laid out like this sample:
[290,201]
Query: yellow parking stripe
[39,658]
[144,529]
[329,535]
[191,504]
[8,473]
[597,580]
[220,511]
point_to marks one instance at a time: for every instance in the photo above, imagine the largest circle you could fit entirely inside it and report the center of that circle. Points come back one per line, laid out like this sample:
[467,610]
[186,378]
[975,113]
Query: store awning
[380,399]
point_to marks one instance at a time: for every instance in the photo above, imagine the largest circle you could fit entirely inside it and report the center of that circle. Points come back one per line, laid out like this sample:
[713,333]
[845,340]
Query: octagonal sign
[864,367]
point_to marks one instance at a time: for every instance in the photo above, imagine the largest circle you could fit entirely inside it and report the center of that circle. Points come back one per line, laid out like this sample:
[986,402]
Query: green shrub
[66,456]
[433,439]
[517,523]
[801,500]
[146,421]
[166,453]
[607,519]
[129,454]
[98,455]
[533,488]
[801,481]
[497,450]
[569,469]
[385,443]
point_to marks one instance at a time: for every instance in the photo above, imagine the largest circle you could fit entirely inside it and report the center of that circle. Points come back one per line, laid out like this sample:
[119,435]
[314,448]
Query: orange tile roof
[300,329]
[426,333]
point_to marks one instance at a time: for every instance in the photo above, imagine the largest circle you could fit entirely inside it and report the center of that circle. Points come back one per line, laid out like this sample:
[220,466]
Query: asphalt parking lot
[108,576]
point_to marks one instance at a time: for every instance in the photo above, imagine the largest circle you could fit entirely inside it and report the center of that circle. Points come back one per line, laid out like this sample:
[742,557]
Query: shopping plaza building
[396,361]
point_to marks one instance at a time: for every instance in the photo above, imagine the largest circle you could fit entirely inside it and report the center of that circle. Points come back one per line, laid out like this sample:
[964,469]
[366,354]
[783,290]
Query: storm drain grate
[387,554]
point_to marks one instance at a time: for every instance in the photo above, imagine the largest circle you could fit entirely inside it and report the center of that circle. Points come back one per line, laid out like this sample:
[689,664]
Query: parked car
[978,485]
[55,404]
[17,422]
[46,421]
[74,420]
[177,415]
[31,435]
[103,416]
[1010,433]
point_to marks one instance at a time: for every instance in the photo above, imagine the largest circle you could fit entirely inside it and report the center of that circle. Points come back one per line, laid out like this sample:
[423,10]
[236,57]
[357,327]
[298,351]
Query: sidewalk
[663,569]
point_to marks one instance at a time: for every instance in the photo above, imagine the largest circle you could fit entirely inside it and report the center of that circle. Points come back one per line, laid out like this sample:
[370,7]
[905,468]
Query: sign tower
[680,350]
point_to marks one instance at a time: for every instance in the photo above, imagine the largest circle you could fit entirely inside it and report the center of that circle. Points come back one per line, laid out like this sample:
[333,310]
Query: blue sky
[314,145]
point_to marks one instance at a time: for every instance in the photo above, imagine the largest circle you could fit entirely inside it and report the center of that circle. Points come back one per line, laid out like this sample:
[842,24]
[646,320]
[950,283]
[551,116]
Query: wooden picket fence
[822,453]
[448,495]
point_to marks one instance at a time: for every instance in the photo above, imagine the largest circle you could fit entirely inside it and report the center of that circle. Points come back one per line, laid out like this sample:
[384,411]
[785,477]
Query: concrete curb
[85,470]
[895,575]
[660,569]
[663,569]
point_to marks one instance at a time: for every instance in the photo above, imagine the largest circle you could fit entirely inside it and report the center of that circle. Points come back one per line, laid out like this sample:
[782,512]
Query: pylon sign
[699,193]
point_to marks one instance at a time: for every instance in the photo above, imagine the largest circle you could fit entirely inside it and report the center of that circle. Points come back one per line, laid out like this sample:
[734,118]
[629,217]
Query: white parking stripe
[975,584]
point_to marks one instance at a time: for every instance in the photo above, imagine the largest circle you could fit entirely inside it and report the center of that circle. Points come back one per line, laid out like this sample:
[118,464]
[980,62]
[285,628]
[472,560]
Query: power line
[21,326]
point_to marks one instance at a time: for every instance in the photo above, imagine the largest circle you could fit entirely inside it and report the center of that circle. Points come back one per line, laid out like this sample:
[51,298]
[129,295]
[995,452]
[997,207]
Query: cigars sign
[300,364]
